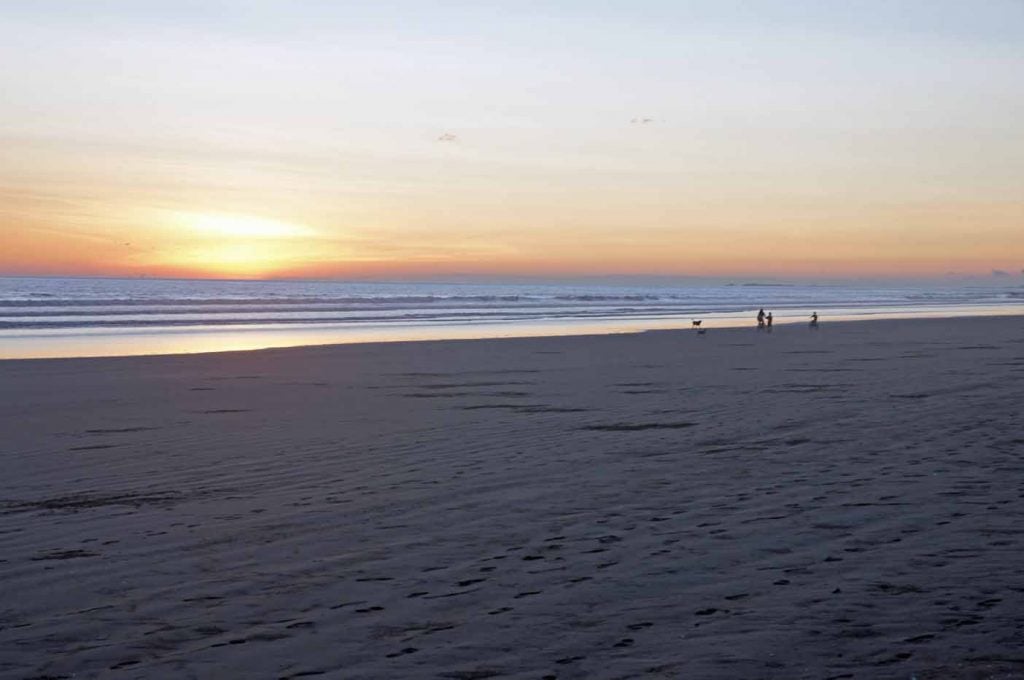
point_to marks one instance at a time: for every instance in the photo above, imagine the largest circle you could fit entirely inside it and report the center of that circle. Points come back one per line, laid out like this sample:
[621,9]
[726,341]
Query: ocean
[65,317]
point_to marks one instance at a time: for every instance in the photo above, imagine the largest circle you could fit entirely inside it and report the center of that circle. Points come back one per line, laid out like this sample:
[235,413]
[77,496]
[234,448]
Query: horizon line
[457,278]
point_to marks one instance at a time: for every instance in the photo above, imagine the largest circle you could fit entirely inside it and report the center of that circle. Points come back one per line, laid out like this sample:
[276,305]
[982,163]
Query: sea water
[50,317]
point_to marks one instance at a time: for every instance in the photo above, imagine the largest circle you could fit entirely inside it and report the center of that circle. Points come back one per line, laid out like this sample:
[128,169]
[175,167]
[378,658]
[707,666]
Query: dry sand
[846,503]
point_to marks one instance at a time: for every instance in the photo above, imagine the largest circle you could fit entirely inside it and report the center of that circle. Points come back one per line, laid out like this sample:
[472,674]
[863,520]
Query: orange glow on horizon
[239,245]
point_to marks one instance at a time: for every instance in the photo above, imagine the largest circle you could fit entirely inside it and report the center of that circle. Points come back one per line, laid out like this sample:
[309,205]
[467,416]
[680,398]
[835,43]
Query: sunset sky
[231,138]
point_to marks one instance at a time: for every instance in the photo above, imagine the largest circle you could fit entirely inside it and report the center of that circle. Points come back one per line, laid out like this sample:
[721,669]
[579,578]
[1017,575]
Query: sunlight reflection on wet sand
[132,342]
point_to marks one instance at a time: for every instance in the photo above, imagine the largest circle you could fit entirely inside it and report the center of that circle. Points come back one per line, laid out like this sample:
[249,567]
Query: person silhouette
[814,320]
[760,319]
[768,319]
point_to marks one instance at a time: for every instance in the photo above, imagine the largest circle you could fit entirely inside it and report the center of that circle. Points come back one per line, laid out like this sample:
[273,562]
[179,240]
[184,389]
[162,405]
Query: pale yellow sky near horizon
[315,139]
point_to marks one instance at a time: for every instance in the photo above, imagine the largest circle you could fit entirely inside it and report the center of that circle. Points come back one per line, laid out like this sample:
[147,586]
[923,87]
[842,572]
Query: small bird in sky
[641,121]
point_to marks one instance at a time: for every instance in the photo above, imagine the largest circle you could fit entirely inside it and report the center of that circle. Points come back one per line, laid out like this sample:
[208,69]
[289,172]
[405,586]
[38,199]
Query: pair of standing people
[764,321]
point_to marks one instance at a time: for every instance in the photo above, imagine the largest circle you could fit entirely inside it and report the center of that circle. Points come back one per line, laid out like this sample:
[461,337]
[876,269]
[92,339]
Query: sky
[316,139]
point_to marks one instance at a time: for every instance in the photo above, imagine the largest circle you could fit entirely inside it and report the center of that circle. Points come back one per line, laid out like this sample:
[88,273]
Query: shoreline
[29,346]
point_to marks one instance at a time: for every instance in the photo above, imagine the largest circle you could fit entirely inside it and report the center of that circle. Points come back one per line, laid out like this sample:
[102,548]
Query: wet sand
[840,503]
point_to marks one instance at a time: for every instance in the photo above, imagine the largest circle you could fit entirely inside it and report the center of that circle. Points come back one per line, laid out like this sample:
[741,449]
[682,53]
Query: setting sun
[226,245]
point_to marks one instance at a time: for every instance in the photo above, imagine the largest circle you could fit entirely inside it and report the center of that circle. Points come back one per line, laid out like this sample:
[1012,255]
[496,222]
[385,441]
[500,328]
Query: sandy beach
[840,503]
